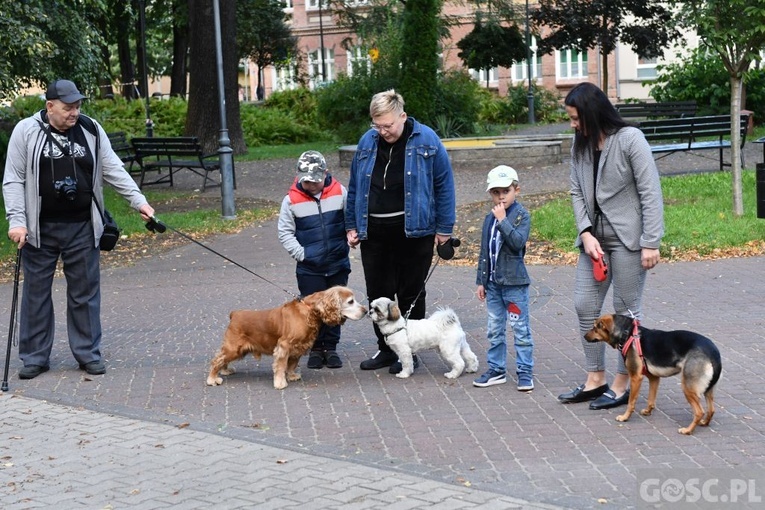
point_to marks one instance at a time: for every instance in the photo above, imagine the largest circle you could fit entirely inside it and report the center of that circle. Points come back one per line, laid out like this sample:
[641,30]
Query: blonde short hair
[386,102]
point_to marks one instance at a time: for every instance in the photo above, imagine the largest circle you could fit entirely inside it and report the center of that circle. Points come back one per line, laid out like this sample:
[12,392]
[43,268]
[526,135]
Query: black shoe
[396,367]
[332,360]
[315,360]
[579,395]
[94,368]
[32,371]
[379,360]
[608,400]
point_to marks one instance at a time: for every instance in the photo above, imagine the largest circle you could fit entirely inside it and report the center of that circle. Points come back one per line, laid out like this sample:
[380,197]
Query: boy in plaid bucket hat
[311,228]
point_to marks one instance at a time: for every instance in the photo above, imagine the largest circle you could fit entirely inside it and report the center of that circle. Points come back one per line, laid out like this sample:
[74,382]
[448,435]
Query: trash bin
[760,188]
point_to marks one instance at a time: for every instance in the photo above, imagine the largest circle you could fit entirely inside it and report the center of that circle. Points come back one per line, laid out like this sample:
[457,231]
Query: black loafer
[579,395]
[608,400]
[396,367]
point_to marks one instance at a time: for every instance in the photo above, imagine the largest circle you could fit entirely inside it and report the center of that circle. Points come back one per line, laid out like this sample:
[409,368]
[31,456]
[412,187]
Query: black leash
[154,225]
[443,252]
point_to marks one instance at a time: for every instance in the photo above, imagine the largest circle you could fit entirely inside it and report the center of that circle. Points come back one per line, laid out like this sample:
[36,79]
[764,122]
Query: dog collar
[634,339]
[402,328]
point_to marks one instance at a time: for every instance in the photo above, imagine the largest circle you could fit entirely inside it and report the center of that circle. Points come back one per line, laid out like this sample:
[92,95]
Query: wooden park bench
[122,147]
[693,134]
[174,154]
[667,109]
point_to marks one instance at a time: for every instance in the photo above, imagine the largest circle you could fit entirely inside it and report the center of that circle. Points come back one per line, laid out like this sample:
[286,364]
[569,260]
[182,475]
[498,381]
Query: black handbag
[111,230]
[111,233]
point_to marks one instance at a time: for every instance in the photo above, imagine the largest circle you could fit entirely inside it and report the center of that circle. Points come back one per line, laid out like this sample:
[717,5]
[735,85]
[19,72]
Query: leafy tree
[491,45]
[581,24]
[43,41]
[735,30]
[263,34]
[419,56]
[203,119]
[377,28]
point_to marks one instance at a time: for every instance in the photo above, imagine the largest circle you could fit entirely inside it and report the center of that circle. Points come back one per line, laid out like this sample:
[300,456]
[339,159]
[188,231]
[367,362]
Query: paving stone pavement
[150,434]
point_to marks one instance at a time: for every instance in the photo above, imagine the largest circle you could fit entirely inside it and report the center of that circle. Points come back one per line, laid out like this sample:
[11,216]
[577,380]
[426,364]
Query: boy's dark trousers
[328,336]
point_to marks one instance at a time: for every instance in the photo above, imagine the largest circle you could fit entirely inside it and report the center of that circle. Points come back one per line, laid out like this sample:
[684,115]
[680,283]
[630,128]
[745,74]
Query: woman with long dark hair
[617,201]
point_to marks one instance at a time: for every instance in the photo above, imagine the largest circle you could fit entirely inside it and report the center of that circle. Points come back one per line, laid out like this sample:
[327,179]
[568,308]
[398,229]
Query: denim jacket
[430,202]
[514,232]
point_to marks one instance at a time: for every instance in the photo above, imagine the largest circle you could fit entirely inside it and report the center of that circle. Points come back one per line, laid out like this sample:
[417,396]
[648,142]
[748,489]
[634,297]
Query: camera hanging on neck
[67,187]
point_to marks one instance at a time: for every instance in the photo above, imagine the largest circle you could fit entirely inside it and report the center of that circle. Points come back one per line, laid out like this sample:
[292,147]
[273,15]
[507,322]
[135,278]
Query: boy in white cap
[311,228]
[503,281]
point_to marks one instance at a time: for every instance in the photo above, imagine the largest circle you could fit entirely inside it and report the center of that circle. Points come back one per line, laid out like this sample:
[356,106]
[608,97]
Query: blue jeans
[511,302]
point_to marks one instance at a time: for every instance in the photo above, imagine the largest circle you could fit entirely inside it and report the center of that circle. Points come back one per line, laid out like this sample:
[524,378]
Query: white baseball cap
[501,176]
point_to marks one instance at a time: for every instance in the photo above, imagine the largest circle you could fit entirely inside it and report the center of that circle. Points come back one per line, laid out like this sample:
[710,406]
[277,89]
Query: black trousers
[329,336]
[395,266]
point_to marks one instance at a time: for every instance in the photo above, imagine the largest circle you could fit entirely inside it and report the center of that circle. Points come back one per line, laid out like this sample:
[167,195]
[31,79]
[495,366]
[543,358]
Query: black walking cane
[12,325]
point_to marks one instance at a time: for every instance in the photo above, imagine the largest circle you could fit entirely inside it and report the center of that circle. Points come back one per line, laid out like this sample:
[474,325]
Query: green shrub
[699,77]
[514,108]
[458,103]
[343,105]
[119,114]
[269,126]
[702,77]
[300,103]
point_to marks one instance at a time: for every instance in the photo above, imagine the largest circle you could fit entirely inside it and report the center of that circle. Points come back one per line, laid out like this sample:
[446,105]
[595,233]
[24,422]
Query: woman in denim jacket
[401,202]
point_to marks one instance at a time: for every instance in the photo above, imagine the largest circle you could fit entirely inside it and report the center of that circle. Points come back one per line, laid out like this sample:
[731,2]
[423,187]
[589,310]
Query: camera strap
[51,140]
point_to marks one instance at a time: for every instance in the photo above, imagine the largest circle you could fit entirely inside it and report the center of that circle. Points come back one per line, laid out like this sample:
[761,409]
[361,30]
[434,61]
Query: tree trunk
[604,68]
[203,118]
[735,144]
[127,71]
[179,72]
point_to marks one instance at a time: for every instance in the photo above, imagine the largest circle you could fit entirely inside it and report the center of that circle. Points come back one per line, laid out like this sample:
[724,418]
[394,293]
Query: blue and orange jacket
[312,229]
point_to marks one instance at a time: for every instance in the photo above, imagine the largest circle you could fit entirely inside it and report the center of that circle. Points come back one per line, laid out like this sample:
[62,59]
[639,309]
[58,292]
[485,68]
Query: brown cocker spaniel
[286,332]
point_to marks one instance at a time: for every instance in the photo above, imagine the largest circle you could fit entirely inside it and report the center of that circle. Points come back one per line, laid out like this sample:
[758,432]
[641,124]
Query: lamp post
[321,43]
[225,152]
[145,70]
[532,120]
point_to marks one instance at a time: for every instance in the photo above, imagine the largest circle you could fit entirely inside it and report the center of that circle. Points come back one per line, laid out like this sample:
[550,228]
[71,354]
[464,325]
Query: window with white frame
[571,64]
[283,78]
[287,5]
[315,66]
[646,68]
[481,75]
[519,71]
[357,57]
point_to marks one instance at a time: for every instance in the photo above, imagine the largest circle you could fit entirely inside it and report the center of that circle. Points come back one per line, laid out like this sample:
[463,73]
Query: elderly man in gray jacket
[53,191]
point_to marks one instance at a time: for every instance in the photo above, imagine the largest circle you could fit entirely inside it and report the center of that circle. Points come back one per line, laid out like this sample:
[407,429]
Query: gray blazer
[628,190]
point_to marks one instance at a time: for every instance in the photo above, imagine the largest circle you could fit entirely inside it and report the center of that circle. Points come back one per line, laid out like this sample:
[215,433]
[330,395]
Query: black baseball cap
[65,91]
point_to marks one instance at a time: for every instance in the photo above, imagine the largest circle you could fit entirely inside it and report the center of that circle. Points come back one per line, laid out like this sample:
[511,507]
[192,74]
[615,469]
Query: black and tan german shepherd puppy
[658,354]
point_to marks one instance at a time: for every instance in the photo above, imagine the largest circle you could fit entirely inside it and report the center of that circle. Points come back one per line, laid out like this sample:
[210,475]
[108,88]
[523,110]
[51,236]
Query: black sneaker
[379,360]
[332,360]
[315,360]
[94,368]
[396,367]
[31,371]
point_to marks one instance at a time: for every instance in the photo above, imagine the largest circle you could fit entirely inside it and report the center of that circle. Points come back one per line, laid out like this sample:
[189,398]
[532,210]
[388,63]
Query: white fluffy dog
[442,330]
